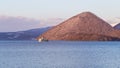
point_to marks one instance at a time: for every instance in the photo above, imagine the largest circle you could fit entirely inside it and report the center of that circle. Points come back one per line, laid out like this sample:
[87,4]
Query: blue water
[59,54]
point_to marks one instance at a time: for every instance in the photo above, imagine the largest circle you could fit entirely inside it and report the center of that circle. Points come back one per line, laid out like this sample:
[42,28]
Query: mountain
[117,26]
[23,35]
[85,26]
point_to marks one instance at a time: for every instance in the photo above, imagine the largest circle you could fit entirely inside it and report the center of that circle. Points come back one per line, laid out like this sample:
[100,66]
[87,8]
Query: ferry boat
[42,39]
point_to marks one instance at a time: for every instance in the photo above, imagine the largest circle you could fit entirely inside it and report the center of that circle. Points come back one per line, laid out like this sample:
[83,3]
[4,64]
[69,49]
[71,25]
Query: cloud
[11,24]
[52,21]
[113,20]
[17,23]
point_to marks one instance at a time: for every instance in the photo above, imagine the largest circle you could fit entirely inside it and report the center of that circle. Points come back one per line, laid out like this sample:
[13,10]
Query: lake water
[59,54]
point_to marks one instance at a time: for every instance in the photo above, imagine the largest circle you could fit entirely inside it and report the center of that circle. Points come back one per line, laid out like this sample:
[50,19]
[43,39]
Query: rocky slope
[85,26]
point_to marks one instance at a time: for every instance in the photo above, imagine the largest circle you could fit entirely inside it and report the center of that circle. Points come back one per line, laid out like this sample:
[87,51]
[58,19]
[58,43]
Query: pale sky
[58,8]
[50,9]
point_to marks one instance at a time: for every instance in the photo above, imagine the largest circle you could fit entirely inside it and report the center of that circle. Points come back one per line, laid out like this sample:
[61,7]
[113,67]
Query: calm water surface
[59,54]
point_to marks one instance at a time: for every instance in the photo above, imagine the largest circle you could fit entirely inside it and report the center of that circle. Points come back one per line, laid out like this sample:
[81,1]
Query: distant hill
[23,35]
[117,26]
[85,27]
